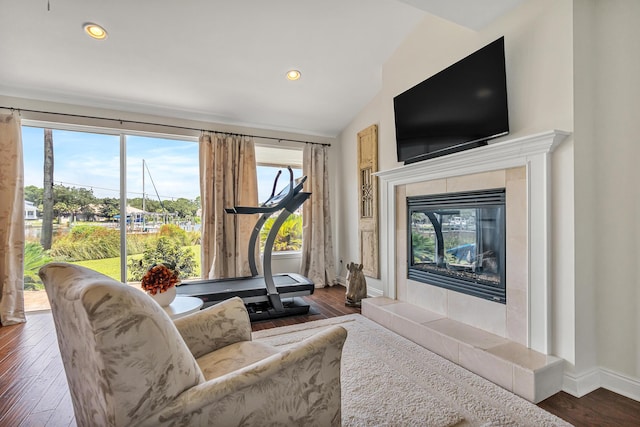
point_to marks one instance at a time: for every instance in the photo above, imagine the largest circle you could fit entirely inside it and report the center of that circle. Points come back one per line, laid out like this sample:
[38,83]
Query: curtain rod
[163,125]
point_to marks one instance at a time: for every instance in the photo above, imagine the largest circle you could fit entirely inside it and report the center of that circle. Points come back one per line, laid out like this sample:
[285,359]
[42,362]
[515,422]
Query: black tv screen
[458,108]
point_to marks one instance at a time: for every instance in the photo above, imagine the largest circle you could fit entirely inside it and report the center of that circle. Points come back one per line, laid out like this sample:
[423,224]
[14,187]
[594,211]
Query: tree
[75,200]
[150,205]
[185,208]
[47,194]
[83,202]
[61,209]
[33,194]
[109,207]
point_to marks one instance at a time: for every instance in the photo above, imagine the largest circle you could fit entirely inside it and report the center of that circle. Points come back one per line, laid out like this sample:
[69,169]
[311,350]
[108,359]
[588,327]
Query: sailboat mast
[143,202]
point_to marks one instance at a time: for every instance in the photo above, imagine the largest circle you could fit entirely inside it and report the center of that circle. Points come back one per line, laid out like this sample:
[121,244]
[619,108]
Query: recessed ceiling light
[293,74]
[95,31]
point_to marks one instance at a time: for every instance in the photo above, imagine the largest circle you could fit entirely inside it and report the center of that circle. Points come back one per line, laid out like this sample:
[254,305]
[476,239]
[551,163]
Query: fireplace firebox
[457,241]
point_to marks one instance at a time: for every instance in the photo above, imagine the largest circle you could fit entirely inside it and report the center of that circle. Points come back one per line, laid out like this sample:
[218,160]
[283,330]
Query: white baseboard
[621,384]
[373,292]
[584,383]
[578,385]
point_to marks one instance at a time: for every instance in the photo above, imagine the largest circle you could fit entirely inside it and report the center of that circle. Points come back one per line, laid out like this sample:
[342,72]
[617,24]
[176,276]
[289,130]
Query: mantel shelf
[500,155]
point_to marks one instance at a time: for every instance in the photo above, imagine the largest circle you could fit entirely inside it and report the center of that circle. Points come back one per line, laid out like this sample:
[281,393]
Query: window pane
[163,206]
[84,200]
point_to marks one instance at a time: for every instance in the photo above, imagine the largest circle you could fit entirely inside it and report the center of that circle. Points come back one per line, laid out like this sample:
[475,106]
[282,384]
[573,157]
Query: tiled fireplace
[520,167]
[507,320]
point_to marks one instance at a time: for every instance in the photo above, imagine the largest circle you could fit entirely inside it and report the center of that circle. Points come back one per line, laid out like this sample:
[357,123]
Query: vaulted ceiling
[222,61]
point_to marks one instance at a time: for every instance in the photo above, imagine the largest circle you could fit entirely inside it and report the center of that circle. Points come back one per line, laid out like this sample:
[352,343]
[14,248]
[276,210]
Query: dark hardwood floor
[33,387]
[601,407]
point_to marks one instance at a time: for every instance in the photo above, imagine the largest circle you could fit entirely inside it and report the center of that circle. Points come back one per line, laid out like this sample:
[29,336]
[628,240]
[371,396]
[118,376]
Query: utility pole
[144,210]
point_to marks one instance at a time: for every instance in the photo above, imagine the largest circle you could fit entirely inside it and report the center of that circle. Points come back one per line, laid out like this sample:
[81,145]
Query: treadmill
[267,296]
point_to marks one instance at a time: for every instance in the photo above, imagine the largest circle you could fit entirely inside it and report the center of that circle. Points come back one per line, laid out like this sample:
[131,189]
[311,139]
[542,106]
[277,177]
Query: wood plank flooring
[33,386]
[601,408]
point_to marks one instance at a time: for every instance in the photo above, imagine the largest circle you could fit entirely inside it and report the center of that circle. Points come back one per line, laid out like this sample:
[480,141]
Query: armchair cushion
[215,327]
[233,357]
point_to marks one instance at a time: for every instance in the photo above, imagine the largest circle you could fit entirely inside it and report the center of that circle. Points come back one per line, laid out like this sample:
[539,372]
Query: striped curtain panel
[318,261]
[228,178]
[11,222]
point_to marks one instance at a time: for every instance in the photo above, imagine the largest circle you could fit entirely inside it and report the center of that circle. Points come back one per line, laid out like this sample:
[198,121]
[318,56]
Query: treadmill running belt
[221,289]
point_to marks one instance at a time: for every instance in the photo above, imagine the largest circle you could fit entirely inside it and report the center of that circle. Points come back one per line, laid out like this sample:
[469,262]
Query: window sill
[286,255]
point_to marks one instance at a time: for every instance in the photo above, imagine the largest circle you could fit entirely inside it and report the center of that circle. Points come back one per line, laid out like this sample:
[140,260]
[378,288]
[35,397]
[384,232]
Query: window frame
[278,158]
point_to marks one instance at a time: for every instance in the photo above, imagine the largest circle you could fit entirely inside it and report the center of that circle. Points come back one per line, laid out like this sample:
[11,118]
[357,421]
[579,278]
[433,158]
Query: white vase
[165,298]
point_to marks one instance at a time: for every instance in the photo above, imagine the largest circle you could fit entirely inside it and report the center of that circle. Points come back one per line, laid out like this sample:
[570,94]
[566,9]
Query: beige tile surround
[506,320]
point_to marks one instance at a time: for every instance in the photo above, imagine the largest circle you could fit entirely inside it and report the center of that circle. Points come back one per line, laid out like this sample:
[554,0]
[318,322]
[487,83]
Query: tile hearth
[525,372]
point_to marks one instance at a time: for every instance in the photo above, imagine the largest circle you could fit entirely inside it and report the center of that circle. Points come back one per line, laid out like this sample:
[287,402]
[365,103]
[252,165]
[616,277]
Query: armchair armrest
[215,327]
[299,386]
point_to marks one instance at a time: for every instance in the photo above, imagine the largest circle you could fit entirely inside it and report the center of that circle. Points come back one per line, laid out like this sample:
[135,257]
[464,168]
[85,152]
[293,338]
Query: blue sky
[92,161]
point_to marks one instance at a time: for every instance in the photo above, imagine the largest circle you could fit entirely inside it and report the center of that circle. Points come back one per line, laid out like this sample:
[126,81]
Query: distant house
[30,211]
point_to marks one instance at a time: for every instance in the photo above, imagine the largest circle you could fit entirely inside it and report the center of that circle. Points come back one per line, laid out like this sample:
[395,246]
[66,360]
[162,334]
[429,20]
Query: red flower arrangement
[158,279]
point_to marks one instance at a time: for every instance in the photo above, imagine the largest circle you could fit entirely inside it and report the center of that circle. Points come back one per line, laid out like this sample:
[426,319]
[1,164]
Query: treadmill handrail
[275,184]
[280,204]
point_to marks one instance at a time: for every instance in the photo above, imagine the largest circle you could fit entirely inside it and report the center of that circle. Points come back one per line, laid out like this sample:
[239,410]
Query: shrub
[194,238]
[289,237]
[168,252]
[174,232]
[86,242]
[137,242]
[34,257]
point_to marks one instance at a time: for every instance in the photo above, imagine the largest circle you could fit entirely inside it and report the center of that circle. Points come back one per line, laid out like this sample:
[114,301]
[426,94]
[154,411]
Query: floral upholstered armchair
[127,363]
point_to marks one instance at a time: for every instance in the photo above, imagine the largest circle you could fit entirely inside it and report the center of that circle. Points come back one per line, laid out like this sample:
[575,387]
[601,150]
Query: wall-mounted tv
[459,108]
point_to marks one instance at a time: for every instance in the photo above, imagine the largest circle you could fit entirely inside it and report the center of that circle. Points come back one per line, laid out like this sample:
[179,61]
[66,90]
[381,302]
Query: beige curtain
[11,222]
[318,262]
[227,178]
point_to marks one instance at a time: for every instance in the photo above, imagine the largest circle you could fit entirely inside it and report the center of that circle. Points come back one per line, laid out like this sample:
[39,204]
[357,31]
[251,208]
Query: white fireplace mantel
[533,152]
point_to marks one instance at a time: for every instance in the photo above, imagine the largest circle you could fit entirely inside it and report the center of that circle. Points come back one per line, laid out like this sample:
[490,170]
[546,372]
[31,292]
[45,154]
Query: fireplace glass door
[457,241]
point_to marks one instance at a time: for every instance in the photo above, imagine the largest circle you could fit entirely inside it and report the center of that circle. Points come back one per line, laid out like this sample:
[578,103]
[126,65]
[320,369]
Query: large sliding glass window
[105,189]
[163,206]
[120,202]
[72,183]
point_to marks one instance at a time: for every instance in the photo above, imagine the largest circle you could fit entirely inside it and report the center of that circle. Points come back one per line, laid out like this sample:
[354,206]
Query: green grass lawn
[111,266]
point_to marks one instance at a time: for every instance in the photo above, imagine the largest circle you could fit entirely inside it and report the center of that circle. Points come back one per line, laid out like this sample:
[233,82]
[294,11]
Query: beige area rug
[388,380]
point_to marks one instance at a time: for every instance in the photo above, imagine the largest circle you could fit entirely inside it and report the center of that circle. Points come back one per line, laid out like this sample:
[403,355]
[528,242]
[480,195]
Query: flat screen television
[461,107]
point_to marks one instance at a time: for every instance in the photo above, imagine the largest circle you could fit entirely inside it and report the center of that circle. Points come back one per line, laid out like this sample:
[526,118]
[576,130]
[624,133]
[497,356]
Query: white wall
[607,200]
[571,65]
[585,181]
[616,37]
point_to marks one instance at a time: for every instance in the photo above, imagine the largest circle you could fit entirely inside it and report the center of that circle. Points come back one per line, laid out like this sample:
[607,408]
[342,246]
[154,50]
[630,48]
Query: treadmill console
[297,187]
